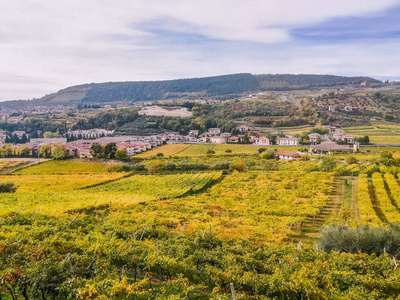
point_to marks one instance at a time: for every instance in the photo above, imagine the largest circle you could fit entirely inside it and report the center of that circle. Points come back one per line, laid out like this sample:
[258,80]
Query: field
[385,133]
[167,150]
[77,230]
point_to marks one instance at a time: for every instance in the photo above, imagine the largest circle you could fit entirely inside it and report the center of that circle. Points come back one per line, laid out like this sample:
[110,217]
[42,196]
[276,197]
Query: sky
[47,45]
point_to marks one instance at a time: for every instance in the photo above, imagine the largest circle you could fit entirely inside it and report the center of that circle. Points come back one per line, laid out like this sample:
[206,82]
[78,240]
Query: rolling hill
[218,87]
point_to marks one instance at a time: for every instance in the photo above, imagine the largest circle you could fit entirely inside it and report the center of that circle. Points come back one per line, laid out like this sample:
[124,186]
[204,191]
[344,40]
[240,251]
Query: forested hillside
[217,87]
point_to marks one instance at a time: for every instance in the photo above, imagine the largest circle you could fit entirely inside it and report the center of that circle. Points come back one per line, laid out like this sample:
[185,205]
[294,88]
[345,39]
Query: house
[262,140]
[49,141]
[132,149]
[314,137]
[218,140]
[19,134]
[194,133]
[330,147]
[346,138]
[243,128]
[3,136]
[286,155]
[233,139]
[214,131]
[348,108]
[332,108]
[15,119]
[225,134]
[288,141]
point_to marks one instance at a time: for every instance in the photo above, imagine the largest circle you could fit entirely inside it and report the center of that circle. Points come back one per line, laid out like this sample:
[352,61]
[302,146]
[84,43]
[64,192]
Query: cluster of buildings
[88,134]
[214,136]
[334,135]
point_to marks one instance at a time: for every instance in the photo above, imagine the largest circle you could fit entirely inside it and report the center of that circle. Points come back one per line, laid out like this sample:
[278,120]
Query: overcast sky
[49,45]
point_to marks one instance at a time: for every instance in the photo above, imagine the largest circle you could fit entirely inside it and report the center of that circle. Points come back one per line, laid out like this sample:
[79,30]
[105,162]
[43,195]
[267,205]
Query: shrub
[139,167]
[210,152]
[160,154]
[7,187]
[351,159]
[221,165]
[156,167]
[228,151]
[238,165]
[268,155]
[170,166]
[261,150]
[364,238]
[328,164]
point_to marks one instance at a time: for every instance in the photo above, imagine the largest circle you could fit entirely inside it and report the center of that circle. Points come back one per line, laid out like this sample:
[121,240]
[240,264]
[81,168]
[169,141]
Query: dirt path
[311,229]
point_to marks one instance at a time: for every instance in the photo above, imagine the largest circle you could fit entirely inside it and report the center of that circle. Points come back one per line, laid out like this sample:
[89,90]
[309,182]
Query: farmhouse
[286,155]
[214,131]
[331,147]
[288,141]
[218,140]
[243,128]
[314,137]
[262,140]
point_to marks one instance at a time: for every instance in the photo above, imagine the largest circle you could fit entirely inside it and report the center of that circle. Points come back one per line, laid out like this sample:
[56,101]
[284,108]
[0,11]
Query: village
[78,143]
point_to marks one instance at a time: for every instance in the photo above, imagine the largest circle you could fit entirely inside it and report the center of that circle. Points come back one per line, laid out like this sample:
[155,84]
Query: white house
[214,131]
[285,155]
[262,140]
[218,140]
[243,128]
[288,141]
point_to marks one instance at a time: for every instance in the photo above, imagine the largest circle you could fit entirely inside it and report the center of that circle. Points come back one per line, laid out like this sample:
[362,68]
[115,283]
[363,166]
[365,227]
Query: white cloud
[48,45]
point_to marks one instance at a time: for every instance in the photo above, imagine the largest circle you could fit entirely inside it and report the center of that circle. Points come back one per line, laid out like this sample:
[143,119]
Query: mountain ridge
[218,87]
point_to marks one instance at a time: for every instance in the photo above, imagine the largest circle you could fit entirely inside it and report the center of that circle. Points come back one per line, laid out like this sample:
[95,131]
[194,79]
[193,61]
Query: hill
[218,87]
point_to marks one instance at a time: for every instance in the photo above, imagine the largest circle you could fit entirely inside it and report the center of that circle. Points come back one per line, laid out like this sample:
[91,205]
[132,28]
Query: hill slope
[220,87]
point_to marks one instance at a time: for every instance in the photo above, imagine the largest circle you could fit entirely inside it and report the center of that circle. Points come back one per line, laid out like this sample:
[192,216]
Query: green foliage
[367,239]
[49,134]
[238,165]
[109,150]
[45,150]
[7,187]
[156,167]
[262,149]
[351,159]
[96,150]
[386,158]
[58,151]
[120,154]
[328,164]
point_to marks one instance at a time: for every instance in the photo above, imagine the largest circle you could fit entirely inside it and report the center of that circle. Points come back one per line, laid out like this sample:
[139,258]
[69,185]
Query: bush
[7,187]
[160,154]
[228,151]
[139,167]
[351,159]
[238,165]
[221,165]
[170,166]
[365,239]
[210,152]
[156,167]
[261,150]
[268,155]
[328,164]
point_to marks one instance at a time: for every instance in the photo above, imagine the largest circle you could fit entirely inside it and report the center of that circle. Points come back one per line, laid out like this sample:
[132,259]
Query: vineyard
[78,230]
[166,150]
